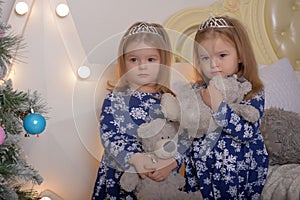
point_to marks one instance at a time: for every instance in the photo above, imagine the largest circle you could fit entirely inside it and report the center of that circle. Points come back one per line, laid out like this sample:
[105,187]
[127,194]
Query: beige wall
[68,152]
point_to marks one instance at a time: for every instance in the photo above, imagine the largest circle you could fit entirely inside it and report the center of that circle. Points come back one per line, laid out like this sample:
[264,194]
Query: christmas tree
[16,107]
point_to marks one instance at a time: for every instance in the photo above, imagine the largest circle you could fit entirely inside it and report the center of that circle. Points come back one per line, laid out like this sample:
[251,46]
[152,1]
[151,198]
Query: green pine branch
[15,172]
[12,99]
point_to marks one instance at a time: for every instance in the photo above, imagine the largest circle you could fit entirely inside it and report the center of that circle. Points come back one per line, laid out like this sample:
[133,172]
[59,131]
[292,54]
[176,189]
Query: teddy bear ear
[151,129]
[219,82]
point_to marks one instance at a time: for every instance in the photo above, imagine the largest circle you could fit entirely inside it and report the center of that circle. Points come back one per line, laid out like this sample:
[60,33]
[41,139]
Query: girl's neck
[147,88]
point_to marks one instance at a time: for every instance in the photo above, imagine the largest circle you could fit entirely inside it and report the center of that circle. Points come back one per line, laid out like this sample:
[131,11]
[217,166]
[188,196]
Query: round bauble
[34,123]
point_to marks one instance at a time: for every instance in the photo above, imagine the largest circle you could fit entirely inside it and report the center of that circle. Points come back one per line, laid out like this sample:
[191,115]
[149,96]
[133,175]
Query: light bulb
[62,10]
[84,72]
[21,8]
[45,198]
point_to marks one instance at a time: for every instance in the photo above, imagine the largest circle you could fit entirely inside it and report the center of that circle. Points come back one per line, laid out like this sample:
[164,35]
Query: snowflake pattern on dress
[231,162]
[122,113]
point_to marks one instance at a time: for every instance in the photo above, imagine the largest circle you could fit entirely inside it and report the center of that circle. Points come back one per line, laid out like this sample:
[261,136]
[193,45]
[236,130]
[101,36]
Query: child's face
[219,57]
[142,64]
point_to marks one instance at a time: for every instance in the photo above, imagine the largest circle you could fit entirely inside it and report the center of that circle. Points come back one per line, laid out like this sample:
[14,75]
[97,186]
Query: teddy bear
[195,116]
[159,140]
[281,131]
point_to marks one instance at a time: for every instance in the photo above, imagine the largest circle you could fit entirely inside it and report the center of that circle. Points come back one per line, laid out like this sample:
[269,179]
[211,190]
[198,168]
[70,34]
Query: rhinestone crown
[143,28]
[214,22]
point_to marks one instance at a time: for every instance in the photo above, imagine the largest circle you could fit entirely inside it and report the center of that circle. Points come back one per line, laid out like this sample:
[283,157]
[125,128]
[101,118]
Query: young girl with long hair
[144,60]
[230,162]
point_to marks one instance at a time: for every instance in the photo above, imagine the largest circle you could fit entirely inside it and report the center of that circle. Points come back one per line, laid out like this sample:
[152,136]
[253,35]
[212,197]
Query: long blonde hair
[160,41]
[238,36]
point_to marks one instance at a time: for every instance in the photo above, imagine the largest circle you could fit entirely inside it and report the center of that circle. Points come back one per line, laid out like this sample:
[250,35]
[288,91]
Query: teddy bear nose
[169,146]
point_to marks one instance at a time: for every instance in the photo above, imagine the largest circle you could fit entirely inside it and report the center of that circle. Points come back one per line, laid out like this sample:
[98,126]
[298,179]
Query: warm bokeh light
[62,10]
[21,8]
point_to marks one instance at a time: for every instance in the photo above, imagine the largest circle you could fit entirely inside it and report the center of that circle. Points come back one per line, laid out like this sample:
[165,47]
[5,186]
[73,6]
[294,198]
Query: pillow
[282,87]
[281,132]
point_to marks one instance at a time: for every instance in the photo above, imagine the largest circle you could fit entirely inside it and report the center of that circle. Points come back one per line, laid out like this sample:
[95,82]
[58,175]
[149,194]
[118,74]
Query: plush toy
[281,132]
[159,140]
[194,115]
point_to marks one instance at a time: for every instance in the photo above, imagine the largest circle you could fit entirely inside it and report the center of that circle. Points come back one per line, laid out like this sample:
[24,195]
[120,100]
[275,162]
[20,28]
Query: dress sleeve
[118,144]
[234,125]
[184,143]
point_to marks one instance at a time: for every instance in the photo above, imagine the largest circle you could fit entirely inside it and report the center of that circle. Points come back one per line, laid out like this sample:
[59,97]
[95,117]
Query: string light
[45,198]
[84,72]
[62,10]
[49,195]
[21,8]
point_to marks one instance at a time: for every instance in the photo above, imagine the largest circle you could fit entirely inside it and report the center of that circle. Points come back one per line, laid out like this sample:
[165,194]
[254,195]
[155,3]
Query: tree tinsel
[15,173]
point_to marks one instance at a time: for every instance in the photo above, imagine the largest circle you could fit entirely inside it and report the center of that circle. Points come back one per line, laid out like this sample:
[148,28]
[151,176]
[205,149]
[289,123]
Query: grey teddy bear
[281,132]
[195,116]
[159,140]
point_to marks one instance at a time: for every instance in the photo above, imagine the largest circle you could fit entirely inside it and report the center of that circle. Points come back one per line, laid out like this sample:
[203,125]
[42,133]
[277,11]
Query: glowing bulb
[84,72]
[21,8]
[45,198]
[62,10]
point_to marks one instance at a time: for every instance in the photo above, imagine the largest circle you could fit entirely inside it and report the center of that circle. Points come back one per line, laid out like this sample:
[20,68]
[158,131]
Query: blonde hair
[238,36]
[160,41]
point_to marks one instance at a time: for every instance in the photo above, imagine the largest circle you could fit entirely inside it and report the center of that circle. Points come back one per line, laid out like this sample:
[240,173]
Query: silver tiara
[213,22]
[143,28]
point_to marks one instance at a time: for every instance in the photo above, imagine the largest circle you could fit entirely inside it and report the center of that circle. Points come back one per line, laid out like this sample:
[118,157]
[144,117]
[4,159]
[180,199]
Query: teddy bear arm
[129,181]
[170,107]
[177,180]
[248,112]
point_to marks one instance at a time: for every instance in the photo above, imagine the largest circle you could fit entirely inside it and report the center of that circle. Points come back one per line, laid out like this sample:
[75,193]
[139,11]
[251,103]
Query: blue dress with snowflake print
[230,162]
[122,113]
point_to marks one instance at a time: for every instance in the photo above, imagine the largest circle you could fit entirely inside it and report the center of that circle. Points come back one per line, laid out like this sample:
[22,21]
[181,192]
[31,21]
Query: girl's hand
[211,96]
[139,161]
[205,96]
[163,168]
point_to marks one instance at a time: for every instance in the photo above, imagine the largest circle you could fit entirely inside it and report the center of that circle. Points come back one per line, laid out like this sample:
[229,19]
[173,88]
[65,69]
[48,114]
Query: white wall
[68,152]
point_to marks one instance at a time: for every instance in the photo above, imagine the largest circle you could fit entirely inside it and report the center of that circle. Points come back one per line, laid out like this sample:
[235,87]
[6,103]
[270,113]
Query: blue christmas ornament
[34,123]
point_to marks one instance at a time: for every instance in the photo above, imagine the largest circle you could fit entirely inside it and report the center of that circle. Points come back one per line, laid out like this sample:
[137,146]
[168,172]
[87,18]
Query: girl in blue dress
[143,76]
[230,162]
